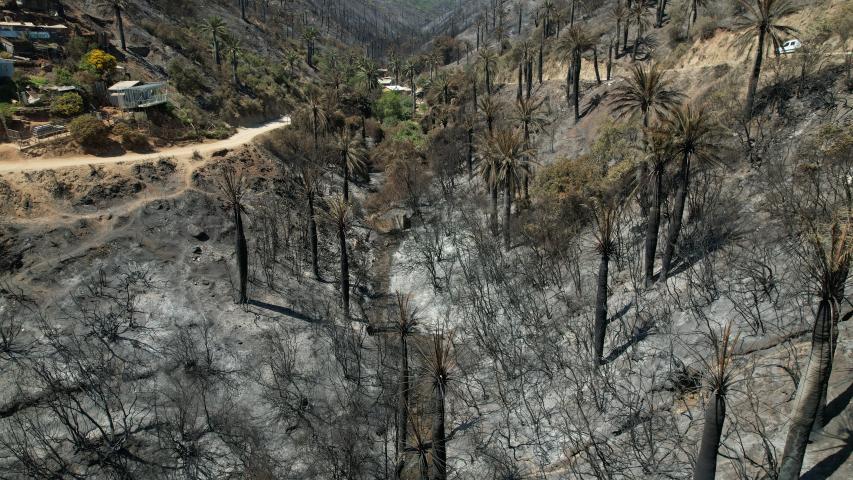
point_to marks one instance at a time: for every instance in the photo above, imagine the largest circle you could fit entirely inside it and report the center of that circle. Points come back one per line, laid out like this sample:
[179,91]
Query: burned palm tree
[403,328]
[314,111]
[487,61]
[658,147]
[828,258]
[646,92]
[439,364]
[572,45]
[695,140]
[308,181]
[607,196]
[352,155]
[507,152]
[719,382]
[760,21]
[528,114]
[491,109]
[340,214]
[118,7]
[231,183]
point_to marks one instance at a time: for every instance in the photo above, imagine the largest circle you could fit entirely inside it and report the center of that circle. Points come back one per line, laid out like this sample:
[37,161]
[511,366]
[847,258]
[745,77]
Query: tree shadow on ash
[641,334]
[839,403]
[829,465]
[594,102]
[285,311]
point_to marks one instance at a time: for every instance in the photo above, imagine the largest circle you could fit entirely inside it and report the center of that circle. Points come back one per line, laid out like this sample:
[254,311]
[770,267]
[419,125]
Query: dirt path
[243,136]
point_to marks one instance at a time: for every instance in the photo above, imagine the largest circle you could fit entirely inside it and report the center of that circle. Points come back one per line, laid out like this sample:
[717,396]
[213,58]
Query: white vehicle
[789,47]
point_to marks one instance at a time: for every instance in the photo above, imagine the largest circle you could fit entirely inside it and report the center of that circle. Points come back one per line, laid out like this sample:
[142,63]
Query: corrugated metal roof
[124,85]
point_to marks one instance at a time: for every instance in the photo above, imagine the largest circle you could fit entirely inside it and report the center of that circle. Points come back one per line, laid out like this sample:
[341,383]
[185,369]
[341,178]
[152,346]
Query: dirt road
[243,136]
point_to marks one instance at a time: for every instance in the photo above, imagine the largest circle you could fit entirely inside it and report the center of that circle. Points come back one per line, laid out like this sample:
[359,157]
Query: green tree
[216,27]
[760,20]
[233,49]
[67,105]
[368,76]
[88,131]
[291,58]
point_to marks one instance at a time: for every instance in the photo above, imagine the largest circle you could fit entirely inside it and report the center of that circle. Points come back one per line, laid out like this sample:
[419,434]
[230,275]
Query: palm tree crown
[646,91]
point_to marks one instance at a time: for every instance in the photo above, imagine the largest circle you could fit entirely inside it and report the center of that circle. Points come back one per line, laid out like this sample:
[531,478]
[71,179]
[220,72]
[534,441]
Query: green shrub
[67,105]
[185,78]
[88,131]
[135,141]
[394,107]
[63,76]
[411,132]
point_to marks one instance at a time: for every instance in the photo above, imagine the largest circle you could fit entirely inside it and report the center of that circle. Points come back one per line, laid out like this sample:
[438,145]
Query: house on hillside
[28,30]
[133,94]
[38,5]
[398,88]
[17,46]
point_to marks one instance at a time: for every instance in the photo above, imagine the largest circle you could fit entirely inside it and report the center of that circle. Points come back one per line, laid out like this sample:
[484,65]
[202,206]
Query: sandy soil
[242,137]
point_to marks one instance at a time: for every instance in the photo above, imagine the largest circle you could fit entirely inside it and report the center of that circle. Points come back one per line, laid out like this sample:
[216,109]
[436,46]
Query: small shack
[17,46]
[133,94]
[398,88]
[7,68]
[38,5]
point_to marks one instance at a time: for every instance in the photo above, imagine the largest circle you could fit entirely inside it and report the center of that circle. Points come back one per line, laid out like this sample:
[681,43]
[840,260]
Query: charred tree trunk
[520,81]
[242,254]
[402,404]
[507,214]
[493,216]
[715,416]
[595,64]
[677,214]
[610,59]
[815,379]
[756,72]
[601,307]
[653,226]
[470,157]
[342,238]
[120,26]
[439,445]
[345,166]
[312,235]
[576,80]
